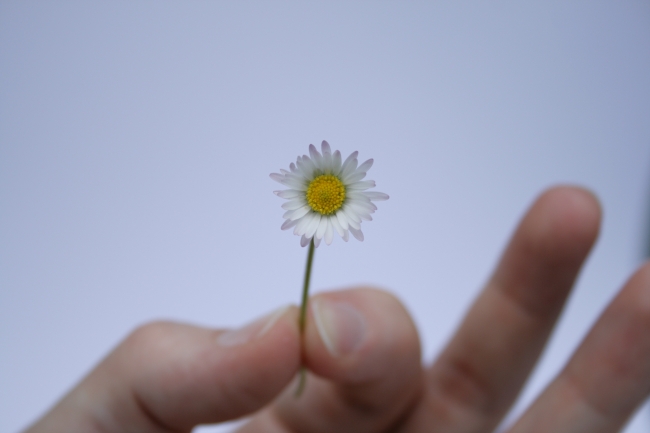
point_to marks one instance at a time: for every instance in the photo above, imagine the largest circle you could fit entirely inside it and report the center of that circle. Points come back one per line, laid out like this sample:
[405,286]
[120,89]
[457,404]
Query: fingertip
[355,335]
[567,218]
[635,297]
[548,248]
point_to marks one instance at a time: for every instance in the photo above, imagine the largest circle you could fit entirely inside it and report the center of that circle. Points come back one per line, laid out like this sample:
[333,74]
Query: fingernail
[247,333]
[340,325]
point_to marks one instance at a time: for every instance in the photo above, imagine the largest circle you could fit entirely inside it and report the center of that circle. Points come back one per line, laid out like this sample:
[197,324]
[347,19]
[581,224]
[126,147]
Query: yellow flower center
[325,194]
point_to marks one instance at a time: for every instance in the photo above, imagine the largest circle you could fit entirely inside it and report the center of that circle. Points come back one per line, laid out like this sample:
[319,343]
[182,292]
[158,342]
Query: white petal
[288,224]
[349,165]
[343,220]
[355,195]
[304,241]
[316,157]
[329,233]
[302,225]
[310,167]
[294,204]
[353,177]
[327,157]
[354,225]
[294,184]
[346,236]
[366,165]
[298,213]
[304,168]
[376,196]
[366,206]
[360,213]
[350,213]
[316,242]
[292,167]
[336,163]
[361,186]
[357,234]
[337,226]
[289,193]
[327,163]
[313,225]
[295,176]
[322,226]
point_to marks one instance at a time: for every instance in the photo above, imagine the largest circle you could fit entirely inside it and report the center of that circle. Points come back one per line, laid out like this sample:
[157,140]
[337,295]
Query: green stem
[303,312]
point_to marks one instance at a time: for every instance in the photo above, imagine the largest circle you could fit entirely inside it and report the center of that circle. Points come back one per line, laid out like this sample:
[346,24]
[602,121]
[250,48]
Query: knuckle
[147,337]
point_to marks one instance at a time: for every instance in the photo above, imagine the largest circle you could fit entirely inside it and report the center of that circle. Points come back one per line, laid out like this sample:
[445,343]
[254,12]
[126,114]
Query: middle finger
[481,371]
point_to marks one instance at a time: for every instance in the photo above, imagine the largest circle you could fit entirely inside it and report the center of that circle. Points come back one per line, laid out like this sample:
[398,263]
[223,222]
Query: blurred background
[136,139]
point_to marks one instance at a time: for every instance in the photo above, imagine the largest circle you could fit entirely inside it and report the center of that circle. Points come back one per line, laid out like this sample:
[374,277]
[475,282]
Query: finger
[170,377]
[364,352]
[483,368]
[609,375]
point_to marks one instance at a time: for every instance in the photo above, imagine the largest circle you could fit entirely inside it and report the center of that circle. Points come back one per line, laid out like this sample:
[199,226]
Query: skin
[363,354]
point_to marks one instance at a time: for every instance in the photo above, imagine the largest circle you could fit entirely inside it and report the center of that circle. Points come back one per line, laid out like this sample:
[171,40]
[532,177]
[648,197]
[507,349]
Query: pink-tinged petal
[353,177]
[336,163]
[289,193]
[276,177]
[313,152]
[300,163]
[366,165]
[310,167]
[294,184]
[376,196]
[313,225]
[288,224]
[292,167]
[337,226]
[316,242]
[357,234]
[343,220]
[304,241]
[361,186]
[322,226]
[329,233]
[326,163]
[316,157]
[294,204]
[325,147]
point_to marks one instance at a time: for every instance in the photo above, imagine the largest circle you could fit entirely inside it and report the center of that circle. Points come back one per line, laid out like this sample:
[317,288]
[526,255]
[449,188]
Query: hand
[363,353]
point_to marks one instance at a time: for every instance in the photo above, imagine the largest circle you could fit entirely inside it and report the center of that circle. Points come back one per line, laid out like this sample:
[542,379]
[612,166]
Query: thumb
[170,377]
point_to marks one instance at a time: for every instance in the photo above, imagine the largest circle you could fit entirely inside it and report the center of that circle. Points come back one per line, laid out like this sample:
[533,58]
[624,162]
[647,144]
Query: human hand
[363,354]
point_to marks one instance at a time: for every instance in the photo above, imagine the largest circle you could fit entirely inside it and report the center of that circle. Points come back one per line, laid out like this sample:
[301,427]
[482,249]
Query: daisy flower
[327,195]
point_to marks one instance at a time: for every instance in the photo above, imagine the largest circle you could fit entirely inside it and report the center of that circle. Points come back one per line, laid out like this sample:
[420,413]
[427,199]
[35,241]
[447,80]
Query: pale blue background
[136,141]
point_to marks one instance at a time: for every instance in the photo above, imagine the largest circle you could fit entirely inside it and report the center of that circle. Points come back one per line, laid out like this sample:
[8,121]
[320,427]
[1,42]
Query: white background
[136,141]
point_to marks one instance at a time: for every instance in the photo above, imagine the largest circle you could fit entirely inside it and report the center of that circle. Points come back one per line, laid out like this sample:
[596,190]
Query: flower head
[327,195]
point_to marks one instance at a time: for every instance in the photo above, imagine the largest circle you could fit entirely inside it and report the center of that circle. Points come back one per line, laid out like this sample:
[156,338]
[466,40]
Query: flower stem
[303,313]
